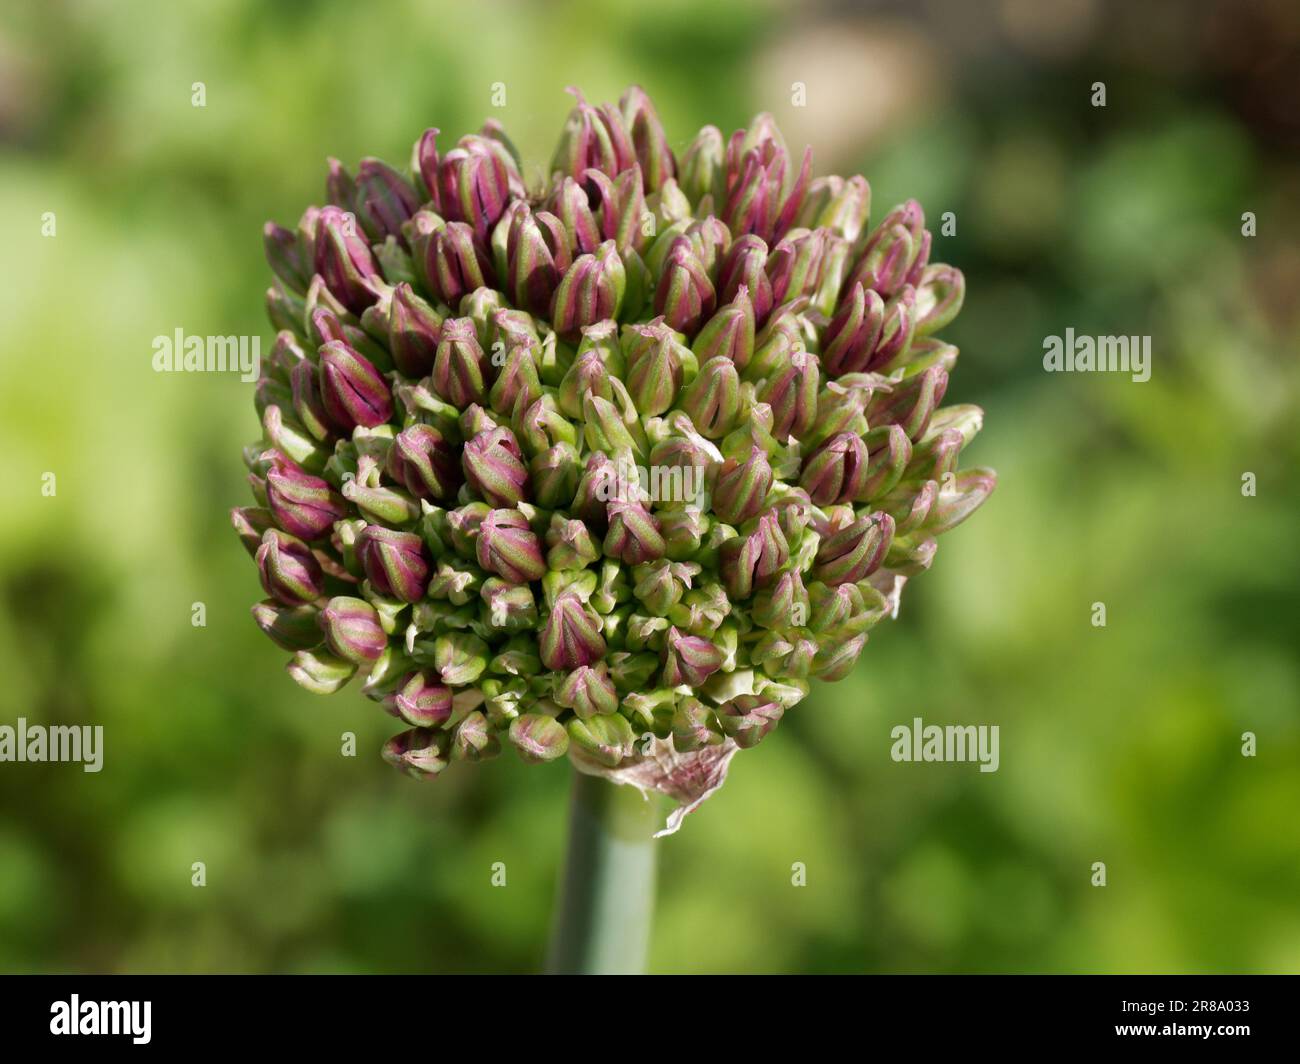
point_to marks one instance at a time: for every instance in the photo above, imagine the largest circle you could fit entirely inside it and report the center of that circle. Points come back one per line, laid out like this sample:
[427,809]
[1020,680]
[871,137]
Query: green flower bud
[289,627]
[748,719]
[419,753]
[607,738]
[473,739]
[319,673]
[538,737]
[588,691]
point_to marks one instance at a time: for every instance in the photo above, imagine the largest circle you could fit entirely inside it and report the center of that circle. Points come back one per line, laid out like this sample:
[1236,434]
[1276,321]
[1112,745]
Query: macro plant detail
[613,465]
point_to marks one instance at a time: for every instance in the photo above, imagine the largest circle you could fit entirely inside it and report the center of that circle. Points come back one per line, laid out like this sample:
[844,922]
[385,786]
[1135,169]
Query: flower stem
[606,899]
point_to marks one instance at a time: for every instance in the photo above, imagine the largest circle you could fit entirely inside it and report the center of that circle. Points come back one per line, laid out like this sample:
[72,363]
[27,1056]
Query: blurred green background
[1119,744]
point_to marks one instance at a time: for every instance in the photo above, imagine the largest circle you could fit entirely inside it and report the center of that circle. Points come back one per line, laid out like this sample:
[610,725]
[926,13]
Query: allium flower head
[616,467]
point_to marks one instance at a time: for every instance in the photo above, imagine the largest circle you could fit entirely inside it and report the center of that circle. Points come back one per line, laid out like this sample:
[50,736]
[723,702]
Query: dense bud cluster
[642,452]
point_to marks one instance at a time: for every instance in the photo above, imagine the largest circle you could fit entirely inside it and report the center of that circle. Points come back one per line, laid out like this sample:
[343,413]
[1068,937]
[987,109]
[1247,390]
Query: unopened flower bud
[304,506]
[290,572]
[319,673]
[394,562]
[538,737]
[289,627]
[352,629]
[855,552]
[420,753]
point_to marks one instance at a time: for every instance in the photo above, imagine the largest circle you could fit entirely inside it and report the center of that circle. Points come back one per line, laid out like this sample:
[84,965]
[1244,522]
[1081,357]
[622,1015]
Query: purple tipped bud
[784,604]
[702,168]
[424,462]
[685,296]
[589,373]
[838,205]
[414,329]
[622,207]
[761,199]
[554,475]
[507,546]
[455,263]
[494,468]
[473,739]
[463,524]
[713,400]
[591,290]
[854,552]
[588,691]
[683,532]
[648,138]
[634,536]
[420,753]
[888,452]
[745,264]
[754,558]
[384,200]
[249,523]
[289,627]
[939,297]
[694,726]
[729,333]
[474,184]
[517,383]
[352,629]
[570,205]
[351,389]
[536,255]
[424,163]
[960,497]
[538,737]
[570,637]
[569,544]
[284,255]
[895,254]
[340,189]
[742,487]
[304,506]
[307,403]
[654,376]
[420,701]
[791,393]
[911,403]
[395,562]
[593,139]
[343,260]
[748,719]
[689,659]
[936,456]
[509,606]
[837,471]
[834,661]
[854,332]
[460,366]
[290,572]
[795,265]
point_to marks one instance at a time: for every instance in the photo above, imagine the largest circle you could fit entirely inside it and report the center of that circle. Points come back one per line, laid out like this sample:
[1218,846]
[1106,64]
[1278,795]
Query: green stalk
[607,889]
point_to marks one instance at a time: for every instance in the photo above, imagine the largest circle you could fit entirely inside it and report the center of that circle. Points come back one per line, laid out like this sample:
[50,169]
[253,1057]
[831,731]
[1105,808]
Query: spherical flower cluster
[626,460]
